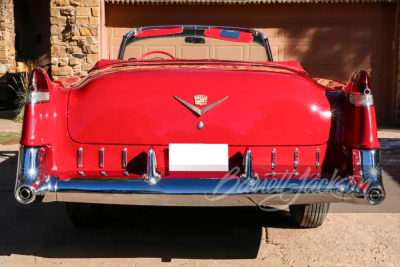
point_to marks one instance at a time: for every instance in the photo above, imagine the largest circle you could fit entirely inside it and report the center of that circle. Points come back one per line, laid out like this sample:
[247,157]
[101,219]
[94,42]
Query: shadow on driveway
[130,231]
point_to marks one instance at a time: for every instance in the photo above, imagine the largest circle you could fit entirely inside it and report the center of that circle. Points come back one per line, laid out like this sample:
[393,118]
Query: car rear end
[126,138]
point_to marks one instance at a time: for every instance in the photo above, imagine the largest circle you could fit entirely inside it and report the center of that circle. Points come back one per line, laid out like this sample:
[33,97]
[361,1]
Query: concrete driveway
[42,235]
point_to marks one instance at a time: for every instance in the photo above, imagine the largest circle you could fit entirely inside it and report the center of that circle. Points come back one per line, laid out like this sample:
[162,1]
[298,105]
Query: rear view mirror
[195,40]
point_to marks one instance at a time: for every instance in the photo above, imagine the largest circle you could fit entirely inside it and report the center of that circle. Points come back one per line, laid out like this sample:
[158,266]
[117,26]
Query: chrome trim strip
[103,173]
[101,158]
[318,159]
[296,158]
[248,177]
[33,183]
[124,158]
[364,100]
[273,159]
[34,97]
[80,160]
[152,176]
[81,173]
[125,173]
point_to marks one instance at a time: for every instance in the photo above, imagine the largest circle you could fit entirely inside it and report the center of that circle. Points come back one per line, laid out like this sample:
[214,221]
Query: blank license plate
[198,157]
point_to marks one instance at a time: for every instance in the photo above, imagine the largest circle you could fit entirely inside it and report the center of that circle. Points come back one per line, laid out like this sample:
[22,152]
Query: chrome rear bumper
[33,186]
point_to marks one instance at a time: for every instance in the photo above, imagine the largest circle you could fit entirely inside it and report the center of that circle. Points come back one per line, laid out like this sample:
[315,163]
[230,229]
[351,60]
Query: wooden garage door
[329,40]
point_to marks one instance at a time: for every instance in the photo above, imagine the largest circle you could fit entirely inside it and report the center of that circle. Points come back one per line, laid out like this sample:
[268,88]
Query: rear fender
[360,129]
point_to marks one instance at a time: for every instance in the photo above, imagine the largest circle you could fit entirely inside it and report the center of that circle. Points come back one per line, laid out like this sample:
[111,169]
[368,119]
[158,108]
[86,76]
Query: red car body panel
[250,115]
[89,116]
[88,120]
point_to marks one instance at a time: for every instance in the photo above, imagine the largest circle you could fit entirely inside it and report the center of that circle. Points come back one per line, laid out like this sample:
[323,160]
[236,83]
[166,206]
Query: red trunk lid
[138,107]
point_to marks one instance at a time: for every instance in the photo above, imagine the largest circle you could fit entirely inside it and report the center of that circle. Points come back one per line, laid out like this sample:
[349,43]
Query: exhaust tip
[25,195]
[375,195]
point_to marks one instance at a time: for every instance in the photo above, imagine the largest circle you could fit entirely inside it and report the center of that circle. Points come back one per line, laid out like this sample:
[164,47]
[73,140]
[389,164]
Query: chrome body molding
[101,158]
[124,158]
[34,97]
[32,184]
[296,158]
[318,159]
[248,177]
[80,160]
[81,173]
[364,100]
[273,159]
[152,176]
[200,125]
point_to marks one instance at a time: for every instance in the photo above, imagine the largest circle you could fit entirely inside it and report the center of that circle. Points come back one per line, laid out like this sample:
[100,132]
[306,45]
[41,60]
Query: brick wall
[74,36]
[7,37]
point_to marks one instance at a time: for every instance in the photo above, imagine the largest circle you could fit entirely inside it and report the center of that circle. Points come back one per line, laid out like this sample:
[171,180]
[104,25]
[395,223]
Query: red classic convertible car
[220,124]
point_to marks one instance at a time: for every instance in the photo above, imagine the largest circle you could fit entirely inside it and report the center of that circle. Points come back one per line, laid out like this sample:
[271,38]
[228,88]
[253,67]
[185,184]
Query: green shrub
[21,88]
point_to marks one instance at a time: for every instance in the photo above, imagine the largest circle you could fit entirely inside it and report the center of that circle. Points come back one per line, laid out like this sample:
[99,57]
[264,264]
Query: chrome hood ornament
[196,109]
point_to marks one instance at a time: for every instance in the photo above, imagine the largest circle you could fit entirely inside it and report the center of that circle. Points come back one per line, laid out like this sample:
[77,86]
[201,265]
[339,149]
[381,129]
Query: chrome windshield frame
[131,34]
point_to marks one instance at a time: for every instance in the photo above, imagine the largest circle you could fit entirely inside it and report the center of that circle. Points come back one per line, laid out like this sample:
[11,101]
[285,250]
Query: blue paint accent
[230,34]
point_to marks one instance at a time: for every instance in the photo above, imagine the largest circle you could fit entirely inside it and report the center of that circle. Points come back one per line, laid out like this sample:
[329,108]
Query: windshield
[196,42]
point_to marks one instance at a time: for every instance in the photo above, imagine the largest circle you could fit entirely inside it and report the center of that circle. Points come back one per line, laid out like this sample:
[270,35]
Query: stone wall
[74,36]
[7,37]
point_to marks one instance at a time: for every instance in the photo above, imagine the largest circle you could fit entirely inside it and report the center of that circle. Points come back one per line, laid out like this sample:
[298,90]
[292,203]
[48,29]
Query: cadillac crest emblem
[200,100]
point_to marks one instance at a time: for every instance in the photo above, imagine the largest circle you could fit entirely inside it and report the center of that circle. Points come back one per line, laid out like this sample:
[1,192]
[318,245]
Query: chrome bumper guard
[32,185]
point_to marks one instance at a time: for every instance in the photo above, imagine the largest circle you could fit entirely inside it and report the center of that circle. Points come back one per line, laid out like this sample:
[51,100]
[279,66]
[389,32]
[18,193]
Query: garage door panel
[271,33]
[298,53]
[298,32]
[331,40]
[167,48]
[257,53]
[276,53]
[133,52]
[360,55]
[229,52]
[197,52]
[119,32]
[114,51]
[331,71]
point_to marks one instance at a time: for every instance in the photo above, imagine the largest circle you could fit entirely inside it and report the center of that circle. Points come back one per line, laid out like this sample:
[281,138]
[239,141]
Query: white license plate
[198,157]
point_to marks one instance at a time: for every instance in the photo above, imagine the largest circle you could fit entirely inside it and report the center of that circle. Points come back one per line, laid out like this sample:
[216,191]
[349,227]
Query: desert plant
[21,88]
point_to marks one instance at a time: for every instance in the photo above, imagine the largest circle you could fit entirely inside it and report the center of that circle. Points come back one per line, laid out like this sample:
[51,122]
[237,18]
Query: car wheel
[81,214]
[309,215]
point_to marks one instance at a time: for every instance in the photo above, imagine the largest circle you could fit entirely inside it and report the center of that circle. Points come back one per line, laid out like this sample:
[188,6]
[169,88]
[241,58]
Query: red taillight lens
[359,83]
[38,87]
[38,80]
